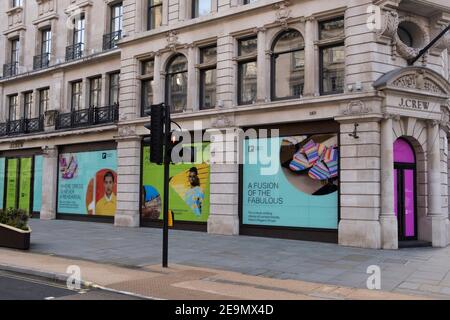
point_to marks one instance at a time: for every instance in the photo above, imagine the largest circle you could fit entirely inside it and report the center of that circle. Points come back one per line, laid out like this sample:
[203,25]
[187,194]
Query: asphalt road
[15,286]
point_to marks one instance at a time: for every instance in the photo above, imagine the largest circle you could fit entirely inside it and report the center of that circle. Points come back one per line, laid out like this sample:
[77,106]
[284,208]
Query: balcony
[110,40]
[88,117]
[10,69]
[74,51]
[41,61]
[23,126]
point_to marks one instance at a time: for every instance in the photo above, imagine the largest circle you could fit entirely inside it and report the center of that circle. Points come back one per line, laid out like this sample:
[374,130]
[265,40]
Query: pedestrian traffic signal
[156,127]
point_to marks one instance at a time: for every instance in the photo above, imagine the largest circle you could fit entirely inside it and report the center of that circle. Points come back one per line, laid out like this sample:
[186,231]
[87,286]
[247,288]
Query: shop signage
[414,104]
[16,145]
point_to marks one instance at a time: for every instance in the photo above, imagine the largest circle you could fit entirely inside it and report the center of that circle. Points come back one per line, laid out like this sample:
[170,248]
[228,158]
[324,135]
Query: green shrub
[16,218]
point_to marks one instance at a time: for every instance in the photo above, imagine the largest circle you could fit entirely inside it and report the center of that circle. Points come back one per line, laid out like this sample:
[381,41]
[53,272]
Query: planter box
[14,238]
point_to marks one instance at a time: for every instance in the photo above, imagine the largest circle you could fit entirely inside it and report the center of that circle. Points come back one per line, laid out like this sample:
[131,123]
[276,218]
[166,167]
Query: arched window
[176,83]
[288,65]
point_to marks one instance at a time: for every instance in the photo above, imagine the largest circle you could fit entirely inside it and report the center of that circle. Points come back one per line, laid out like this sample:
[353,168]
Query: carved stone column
[49,181]
[439,220]
[263,78]
[388,220]
[311,84]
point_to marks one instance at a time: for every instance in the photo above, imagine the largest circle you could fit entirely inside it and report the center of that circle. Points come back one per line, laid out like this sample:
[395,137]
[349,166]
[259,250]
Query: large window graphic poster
[88,183]
[189,187]
[2,181]
[302,193]
[37,186]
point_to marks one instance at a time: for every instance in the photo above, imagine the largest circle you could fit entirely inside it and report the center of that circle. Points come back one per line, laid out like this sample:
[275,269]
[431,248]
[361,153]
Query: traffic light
[156,127]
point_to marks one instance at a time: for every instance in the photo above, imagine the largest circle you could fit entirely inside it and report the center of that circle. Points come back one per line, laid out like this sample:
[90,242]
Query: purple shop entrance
[405,189]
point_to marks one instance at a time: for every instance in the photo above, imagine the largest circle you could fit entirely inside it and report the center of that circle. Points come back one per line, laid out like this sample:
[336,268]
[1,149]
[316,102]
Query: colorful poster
[189,187]
[11,183]
[88,183]
[2,181]
[37,186]
[301,192]
[25,184]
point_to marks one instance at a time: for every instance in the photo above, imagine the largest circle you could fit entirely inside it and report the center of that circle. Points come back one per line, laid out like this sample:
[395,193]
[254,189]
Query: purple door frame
[405,189]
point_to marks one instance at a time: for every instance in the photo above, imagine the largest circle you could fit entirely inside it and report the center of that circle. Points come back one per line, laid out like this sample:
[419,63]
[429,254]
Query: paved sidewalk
[183,282]
[420,271]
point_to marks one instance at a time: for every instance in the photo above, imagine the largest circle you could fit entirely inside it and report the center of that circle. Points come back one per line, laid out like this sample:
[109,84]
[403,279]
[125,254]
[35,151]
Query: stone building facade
[79,74]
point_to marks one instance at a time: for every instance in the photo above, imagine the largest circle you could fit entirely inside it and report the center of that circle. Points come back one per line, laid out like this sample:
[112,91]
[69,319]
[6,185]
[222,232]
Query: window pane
[201,8]
[289,74]
[76,96]
[147,95]
[247,81]
[288,41]
[154,14]
[14,110]
[208,89]
[148,67]
[333,74]
[332,29]
[28,106]
[208,55]
[96,91]
[179,64]
[114,88]
[248,46]
[178,91]
[44,100]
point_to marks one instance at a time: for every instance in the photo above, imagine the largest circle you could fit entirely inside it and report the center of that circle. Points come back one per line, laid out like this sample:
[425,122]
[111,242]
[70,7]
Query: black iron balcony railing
[41,61]
[87,117]
[110,40]
[74,51]
[22,126]
[10,69]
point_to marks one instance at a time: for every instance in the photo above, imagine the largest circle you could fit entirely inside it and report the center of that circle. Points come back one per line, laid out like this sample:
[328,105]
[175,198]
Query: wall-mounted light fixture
[354,134]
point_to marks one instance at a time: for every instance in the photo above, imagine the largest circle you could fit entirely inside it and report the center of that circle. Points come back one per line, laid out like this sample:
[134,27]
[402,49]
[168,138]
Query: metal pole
[432,43]
[167,138]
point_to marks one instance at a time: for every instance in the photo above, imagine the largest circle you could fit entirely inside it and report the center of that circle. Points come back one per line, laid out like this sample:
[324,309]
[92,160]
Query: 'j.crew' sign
[414,104]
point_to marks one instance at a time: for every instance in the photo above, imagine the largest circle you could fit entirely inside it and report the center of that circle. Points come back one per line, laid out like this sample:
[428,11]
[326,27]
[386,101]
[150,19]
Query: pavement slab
[324,263]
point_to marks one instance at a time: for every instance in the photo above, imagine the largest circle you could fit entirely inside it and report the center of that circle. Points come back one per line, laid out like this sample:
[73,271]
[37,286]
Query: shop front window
[87,183]
[301,188]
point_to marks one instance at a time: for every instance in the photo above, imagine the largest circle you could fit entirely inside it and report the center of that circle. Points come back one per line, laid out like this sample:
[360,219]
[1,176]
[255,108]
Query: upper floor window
[95,92]
[176,83]
[79,30]
[116,17]
[147,74]
[11,69]
[288,65]
[29,111]
[14,109]
[249,1]
[44,100]
[247,70]
[201,8]
[15,51]
[114,88]
[115,29]
[17,3]
[43,58]
[208,75]
[46,41]
[332,56]
[76,97]
[331,28]
[76,49]
[154,14]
